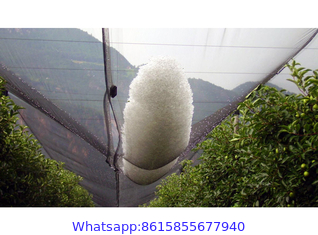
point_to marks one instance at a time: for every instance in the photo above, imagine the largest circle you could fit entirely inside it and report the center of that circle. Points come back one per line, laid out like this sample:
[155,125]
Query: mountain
[208,98]
[67,67]
[52,50]
[241,89]
[204,91]
[61,63]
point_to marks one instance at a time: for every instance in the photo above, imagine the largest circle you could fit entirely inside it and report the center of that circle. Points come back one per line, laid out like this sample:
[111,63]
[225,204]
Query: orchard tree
[27,178]
[272,160]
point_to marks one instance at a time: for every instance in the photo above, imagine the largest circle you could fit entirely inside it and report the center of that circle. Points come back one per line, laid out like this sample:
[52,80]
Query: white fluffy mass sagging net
[157,120]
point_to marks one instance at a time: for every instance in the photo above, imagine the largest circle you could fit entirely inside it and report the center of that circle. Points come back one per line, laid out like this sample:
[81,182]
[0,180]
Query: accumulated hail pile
[157,120]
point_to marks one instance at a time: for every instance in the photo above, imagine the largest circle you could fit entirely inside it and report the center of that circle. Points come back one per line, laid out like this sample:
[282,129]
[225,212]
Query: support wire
[112,154]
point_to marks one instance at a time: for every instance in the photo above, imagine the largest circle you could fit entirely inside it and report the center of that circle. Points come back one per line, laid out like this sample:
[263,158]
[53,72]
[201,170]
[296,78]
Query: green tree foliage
[272,161]
[27,178]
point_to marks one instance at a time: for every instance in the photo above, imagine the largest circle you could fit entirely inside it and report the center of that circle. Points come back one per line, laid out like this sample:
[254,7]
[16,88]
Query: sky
[226,57]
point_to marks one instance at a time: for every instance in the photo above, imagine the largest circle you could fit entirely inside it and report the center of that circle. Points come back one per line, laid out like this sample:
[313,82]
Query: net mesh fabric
[63,89]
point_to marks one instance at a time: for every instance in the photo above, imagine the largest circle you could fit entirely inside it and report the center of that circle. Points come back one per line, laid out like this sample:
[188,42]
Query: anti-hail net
[58,75]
